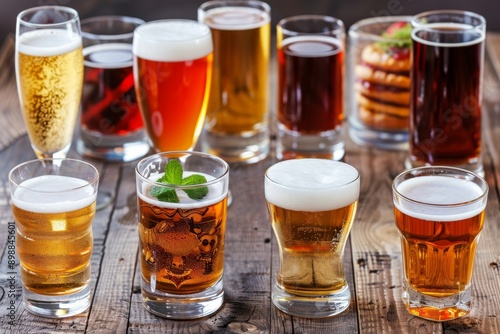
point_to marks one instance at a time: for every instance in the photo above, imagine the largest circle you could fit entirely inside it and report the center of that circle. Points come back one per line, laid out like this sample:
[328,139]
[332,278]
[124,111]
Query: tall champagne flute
[49,73]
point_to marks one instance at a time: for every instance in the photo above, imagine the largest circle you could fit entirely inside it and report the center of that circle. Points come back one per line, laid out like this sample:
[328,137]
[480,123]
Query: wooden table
[372,257]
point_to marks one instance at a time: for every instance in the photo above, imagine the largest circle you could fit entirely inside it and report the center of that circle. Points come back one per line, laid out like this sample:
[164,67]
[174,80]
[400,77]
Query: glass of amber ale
[111,123]
[49,73]
[439,212]
[172,73]
[312,204]
[310,52]
[53,203]
[236,128]
[446,90]
[182,207]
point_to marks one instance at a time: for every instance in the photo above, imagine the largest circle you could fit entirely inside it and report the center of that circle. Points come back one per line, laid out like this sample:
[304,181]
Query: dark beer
[310,84]
[445,125]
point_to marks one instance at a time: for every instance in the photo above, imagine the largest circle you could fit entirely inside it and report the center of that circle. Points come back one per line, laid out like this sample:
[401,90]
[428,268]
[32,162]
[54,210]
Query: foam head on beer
[48,42]
[312,184]
[172,40]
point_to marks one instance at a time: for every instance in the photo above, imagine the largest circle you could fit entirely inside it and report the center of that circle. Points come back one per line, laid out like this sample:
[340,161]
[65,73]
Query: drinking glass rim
[88,183]
[217,179]
[54,8]
[236,3]
[355,32]
[106,37]
[192,38]
[416,23]
[449,168]
[326,18]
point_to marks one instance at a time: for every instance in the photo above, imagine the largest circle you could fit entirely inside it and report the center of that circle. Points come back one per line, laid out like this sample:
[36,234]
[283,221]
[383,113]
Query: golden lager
[172,68]
[312,204]
[50,79]
[54,233]
[439,218]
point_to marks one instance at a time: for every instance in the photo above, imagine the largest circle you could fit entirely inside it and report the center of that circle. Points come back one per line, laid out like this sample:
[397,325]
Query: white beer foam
[311,184]
[48,42]
[216,193]
[172,40]
[303,46]
[450,198]
[109,55]
[53,194]
[450,28]
[235,18]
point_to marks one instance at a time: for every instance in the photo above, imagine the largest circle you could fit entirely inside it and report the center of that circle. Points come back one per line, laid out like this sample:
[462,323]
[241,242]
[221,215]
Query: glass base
[113,148]
[311,306]
[437,308]
[325,145]
[387,140]
[190,306]
[237,148]
[475,165]
[60,306]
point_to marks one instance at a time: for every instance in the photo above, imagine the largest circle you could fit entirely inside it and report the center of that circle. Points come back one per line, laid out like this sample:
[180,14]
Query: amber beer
[54,233]
[439,216]
[50,102]
[172,69]
[446,94]
[310,70]
[312,204]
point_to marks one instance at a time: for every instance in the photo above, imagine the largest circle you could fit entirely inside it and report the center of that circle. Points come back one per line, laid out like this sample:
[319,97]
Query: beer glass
[312,204]
[378,73]
[49,73]
[53,203]
[236,128]
[439,212]
[111,124]
[181,235]
[172,71]
[310,52]
[446,90]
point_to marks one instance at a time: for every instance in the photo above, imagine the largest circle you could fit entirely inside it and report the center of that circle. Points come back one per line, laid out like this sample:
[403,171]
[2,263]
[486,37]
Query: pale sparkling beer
[239,94]
[312,208]
[172,71]
[182,244]
[54,233]
[50,79]
[438,237]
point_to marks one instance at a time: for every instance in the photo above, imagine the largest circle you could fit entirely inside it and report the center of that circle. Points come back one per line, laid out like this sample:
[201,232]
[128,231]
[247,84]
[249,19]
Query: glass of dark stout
[446,90]
[111,123]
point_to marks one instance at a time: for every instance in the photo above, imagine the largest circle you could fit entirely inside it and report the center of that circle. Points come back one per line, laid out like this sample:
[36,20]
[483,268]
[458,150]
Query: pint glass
[446,93]
[111,124]
[182,239]
[54,202]
[312,204]
[310,87]
[439,212]
[236,128]
[172,73]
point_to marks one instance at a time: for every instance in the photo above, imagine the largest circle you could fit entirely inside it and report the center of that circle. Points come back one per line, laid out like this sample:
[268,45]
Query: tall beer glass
[446,90]
[310,87]
[49,73]
[312,204]
[172,72]
[237,128]
[182,239]
[54,202]
[439,212]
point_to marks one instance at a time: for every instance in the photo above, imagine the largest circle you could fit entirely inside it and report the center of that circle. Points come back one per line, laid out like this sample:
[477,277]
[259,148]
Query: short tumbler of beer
[446,90]
[53,203]
[182,207]
[111,124]
[312,204]
[310,52]
[439,212]
[236,128]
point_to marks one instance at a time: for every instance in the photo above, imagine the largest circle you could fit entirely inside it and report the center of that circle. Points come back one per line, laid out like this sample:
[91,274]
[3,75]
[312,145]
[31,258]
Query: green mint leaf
[173,172]
[195,193]
[164,194]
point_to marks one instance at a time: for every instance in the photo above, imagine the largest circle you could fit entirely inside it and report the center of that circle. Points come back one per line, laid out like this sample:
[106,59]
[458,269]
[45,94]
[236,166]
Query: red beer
[311,83]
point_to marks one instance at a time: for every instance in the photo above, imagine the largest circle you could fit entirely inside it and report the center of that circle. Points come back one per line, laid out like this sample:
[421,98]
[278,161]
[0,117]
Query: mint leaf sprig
[173,176]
